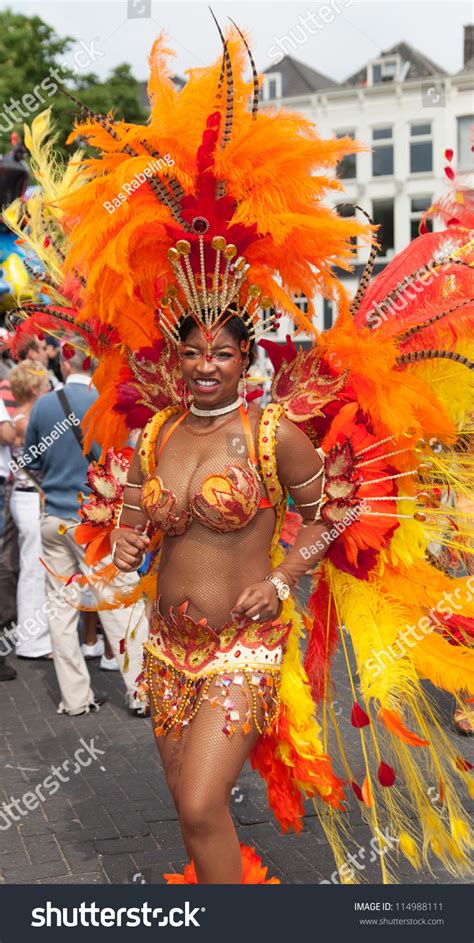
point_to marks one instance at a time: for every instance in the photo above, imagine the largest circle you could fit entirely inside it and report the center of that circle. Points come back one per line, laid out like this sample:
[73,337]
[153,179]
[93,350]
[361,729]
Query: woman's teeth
[206,382]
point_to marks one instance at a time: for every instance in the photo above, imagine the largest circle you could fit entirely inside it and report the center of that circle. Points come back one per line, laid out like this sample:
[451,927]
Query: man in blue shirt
[7,438]
[51,446]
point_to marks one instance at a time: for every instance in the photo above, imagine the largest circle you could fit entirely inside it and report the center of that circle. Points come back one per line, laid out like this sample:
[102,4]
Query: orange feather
[394,723]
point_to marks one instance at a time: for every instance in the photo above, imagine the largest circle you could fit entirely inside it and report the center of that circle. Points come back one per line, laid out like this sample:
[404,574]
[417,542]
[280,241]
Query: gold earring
[244,392]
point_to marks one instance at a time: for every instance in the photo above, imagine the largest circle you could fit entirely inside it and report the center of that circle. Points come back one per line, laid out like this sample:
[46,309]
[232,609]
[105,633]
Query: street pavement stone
[113,822]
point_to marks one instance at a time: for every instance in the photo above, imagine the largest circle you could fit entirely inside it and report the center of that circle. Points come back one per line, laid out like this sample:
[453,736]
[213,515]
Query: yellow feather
[409,849]
[450,667]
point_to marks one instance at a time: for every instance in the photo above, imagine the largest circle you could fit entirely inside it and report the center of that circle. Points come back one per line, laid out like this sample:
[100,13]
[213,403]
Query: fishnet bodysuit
[210,570]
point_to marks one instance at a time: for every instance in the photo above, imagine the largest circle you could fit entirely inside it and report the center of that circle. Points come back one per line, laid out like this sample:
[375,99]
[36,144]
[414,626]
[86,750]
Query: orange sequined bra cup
[225,502]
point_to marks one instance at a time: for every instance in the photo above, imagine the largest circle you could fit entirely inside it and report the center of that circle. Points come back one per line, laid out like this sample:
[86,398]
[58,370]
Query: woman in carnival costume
[169,292]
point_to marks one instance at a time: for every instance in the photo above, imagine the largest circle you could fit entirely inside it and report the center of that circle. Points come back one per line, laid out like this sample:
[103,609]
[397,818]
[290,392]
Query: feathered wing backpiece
[391,433]
[213,204]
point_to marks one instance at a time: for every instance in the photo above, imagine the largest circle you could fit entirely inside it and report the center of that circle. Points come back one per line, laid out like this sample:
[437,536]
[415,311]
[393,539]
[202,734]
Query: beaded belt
[183,657]
[198,649]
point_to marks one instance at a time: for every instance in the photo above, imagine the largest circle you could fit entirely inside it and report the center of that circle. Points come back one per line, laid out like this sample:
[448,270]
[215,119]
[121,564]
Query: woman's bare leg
[201,768]
[210,764]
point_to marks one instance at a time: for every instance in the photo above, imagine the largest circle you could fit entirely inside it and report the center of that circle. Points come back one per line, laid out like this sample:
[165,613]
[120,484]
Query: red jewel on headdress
[200,224]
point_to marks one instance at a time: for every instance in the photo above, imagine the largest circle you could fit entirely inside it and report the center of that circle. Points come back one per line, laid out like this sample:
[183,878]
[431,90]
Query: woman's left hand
[259,602]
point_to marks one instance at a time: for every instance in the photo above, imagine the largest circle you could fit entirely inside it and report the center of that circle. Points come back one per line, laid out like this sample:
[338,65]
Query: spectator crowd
[43,399]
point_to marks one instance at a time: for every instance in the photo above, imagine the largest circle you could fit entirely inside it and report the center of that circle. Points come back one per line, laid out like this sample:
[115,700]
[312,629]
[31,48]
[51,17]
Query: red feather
[358,716]
[386,775]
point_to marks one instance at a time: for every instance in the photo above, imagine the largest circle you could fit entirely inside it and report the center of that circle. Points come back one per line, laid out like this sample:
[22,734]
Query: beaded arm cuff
[268,465]
[149,437]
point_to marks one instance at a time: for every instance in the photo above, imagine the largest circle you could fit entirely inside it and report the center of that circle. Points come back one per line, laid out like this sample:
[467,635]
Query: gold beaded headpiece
[211,288]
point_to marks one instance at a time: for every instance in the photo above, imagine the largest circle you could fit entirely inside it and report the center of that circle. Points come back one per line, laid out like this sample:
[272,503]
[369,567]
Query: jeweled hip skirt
[187,662]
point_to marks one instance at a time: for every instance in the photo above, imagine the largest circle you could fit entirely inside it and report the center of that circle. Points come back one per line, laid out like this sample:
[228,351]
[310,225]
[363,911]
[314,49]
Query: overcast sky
[358,32]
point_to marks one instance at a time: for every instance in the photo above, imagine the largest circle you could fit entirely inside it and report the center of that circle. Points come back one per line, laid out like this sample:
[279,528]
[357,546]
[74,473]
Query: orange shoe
[253,872]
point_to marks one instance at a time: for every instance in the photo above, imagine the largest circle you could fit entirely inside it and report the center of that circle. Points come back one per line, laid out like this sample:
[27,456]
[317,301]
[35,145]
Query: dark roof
[420,65]
[298,78]
[178,81]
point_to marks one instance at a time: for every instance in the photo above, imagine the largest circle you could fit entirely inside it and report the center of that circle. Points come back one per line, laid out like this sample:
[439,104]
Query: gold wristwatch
[282,589]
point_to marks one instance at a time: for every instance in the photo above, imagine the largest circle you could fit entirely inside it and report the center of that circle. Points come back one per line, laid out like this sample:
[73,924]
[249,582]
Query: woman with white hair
[28,381]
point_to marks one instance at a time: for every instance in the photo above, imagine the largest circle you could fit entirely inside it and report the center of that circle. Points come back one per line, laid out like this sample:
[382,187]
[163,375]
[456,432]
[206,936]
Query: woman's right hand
[128,547]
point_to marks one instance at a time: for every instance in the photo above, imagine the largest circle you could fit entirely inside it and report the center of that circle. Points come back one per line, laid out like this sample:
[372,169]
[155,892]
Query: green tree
[35,62]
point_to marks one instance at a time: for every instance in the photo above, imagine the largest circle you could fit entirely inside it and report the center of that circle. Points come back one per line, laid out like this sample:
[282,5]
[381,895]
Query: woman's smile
[206,385]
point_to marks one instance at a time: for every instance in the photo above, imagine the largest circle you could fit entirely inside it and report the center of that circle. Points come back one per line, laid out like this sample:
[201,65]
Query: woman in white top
[28,381]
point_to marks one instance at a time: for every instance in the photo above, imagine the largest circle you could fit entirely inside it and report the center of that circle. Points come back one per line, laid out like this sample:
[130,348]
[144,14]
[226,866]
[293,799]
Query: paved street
[112,822]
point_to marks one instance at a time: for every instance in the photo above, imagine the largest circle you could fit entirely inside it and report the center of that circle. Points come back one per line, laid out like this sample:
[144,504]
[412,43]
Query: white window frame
[384,61]
[420,139]
[382,142]
[391,252]
[275,77]
[301,301]
[416,215]
[464,163]
[340,133]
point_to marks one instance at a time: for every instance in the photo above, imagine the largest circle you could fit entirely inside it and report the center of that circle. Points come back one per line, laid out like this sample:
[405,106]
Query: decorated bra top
[226,501]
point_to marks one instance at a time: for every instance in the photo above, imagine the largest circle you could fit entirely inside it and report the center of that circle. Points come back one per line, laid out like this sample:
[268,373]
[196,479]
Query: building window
[382,152]
[268,326]
[419,205]
[272,88]
[384,71]
[328,312]
[465,157]
[421,148]
[347,210]
[346,168]
[301,302]
[383,214]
